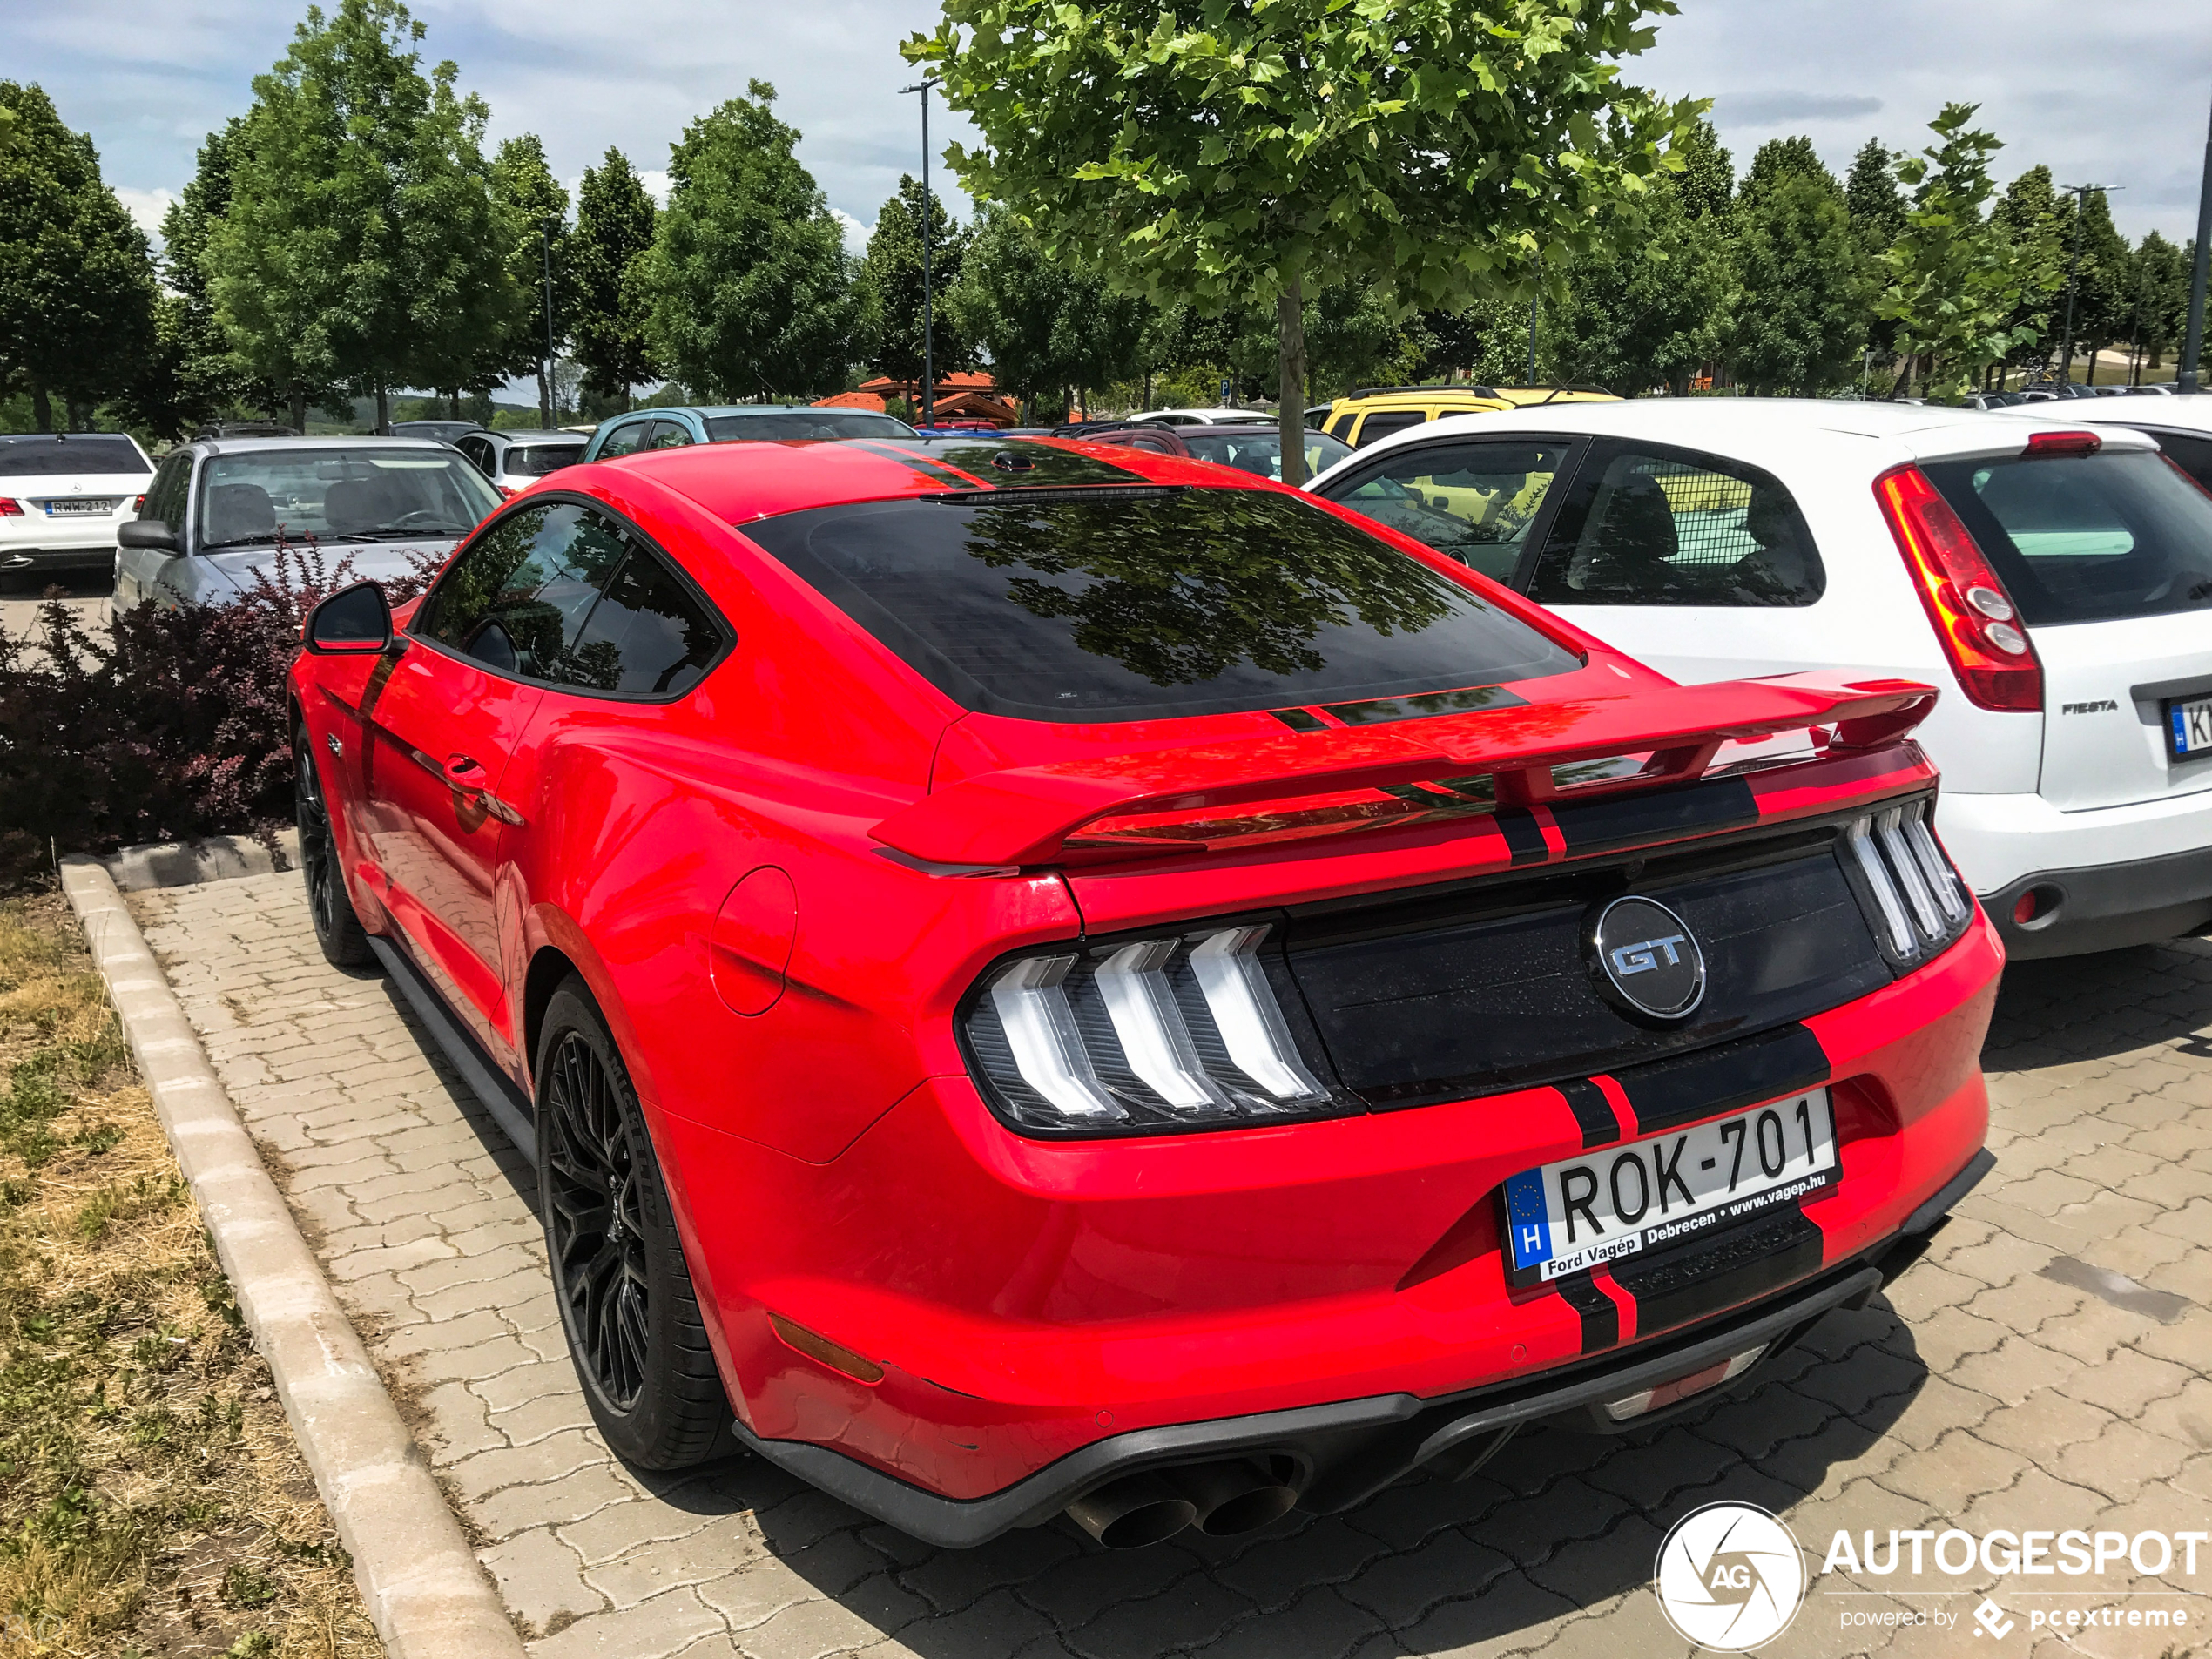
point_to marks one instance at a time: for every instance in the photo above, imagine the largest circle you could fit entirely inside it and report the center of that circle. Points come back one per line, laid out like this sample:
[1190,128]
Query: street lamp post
[2080,194]
[552,388]
[2194,340]
[929,327]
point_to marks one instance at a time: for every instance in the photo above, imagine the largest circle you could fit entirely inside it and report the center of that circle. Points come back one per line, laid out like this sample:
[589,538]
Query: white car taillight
[1142,1036]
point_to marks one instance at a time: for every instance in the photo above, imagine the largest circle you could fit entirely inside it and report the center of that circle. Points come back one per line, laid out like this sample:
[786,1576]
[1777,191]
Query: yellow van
[1373,412]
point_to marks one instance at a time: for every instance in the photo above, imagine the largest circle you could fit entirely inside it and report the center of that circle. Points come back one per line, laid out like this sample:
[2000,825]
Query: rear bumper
[1347,1451]
[2106,906]
[1029,1300]
[2000,842]
[53,556]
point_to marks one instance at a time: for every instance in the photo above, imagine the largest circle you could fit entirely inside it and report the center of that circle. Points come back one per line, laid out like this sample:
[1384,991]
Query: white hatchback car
[63,495]
[2055,580]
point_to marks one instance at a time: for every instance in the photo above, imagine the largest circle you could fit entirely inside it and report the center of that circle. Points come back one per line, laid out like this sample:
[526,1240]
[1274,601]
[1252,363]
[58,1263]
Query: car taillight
[1142,1036]
[10,508]
[1917,898]
[138,506]
[505,493]
[1974,617]
[2064,443]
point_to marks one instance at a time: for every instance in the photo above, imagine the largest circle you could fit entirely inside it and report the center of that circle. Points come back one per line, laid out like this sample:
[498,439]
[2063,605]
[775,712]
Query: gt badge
[1647,960]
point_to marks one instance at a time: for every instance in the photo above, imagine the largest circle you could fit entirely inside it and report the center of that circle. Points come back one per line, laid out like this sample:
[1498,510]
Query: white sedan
[2055,577]
[63,495]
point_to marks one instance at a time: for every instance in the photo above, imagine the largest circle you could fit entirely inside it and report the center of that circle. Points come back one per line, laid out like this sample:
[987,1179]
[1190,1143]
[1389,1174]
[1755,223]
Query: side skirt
[510,1108]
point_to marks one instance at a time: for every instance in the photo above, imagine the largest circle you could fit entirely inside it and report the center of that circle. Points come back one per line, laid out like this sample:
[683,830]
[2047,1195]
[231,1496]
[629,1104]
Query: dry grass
[153,1501]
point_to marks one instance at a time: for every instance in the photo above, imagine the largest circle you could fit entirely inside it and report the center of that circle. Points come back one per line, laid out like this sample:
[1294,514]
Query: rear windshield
[2086,538]
[1132,603]
[43,456]
[536,460]
[804,423]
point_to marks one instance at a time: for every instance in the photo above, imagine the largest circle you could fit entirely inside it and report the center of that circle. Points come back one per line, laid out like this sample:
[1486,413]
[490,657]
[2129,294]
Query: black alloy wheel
[338,928]
[627,1306]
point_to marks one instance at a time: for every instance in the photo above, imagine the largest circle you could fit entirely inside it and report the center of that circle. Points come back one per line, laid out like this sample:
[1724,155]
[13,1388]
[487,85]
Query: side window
[623,441]
[1382,423]
[518,598]
[165,496]
[668,435]
[479,452]
[1474,501]
[1651,527]
[648,635]
[1341,426]
[2191,454]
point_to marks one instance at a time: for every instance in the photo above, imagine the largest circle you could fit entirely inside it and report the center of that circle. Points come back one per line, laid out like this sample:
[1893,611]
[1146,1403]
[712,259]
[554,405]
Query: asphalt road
[85,593]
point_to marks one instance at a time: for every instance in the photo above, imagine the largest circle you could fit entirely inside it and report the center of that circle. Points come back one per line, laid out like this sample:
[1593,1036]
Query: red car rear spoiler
[1025,814]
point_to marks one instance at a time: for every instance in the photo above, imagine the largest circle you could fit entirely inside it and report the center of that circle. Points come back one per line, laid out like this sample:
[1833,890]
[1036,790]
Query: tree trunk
[41,410]
[1148,386]
[1290,363]
[453,404]
[383,407]
[299,410]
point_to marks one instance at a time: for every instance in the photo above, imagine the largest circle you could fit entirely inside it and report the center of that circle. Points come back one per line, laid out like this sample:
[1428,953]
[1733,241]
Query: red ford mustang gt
[1043,978]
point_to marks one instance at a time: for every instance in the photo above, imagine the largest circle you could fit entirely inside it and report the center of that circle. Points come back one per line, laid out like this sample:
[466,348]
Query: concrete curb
[427,1593]
[185,864]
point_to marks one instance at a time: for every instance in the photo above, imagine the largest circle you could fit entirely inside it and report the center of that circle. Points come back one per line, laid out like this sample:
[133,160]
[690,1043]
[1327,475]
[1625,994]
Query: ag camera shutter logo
[1729,1577]
[1647,960]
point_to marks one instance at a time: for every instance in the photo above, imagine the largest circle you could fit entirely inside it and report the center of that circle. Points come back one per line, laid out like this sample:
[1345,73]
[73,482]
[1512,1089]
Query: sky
[2117,94]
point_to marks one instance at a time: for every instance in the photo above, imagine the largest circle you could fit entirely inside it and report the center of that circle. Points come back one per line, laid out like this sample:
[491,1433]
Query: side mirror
[352,622]
[148,532]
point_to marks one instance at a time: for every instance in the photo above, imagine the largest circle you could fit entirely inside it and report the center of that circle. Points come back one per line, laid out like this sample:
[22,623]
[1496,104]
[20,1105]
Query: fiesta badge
[1646,959]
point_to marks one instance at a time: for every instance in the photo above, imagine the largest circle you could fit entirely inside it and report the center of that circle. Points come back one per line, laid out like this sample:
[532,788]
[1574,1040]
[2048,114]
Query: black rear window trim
[538,498]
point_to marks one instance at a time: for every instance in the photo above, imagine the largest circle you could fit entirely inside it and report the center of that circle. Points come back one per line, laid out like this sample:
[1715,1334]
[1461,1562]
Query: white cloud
[656,184]
[856,234]
[146,207]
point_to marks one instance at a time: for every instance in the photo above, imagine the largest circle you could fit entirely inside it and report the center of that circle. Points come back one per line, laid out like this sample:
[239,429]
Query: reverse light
[2064,443]
[1178,1031]
[1974,616]
[10,507]
[1922,905]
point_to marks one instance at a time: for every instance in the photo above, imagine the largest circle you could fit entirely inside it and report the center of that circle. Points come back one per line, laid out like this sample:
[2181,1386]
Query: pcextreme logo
[1729,1577]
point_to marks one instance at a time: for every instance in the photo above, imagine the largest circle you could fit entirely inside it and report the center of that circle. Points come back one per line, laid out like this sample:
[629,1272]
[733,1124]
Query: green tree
[2027,216]
[891,276]
[1803,295]
[1871,192]
[750,290]
[361,247]
[538,209]
[1050,327]
[1429,151]
[614,228]
[77,282]
[1707,182]
[2102,277]
[2162,301]
[194,376]
[1953,285]
[1645,309]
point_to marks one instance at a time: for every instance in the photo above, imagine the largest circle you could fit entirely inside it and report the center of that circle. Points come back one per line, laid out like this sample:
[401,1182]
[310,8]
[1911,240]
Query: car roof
[541,434]
[1746,427]
[738,483]
[2186,414]
[257,445]
[716,411]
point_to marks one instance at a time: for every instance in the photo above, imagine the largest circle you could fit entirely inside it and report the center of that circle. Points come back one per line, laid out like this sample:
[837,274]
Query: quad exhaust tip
[1222,1499]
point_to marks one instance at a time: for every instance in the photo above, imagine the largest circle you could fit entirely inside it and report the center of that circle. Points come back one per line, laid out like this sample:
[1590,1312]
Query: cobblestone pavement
[1991,1389]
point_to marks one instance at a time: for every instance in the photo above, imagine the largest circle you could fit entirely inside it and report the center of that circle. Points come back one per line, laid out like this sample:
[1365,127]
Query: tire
[627,1306]
[338,928]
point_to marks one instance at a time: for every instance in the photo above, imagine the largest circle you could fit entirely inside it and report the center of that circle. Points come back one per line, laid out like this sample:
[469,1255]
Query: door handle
[465,771]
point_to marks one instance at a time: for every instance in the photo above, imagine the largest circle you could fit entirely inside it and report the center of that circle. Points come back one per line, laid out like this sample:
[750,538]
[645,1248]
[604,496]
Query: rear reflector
[1974,617]
[818,1348]
[1697,1382]
[2064,443]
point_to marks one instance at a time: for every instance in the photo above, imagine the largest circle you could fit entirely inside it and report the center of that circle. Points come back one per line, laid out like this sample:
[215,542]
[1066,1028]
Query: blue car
[672,429]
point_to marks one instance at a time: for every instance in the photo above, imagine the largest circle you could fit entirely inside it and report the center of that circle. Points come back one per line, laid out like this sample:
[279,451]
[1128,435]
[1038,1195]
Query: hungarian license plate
[2188,726]
[83,505]
[1562,1217]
